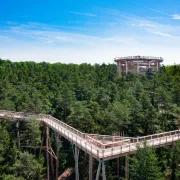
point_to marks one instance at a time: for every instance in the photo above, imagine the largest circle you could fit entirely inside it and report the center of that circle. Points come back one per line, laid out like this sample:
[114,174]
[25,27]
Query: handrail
[139,57]
[97,148]
[44,115]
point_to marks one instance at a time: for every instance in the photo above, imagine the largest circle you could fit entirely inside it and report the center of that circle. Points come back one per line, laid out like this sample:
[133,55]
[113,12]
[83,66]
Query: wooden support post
[118,166]
[126,67]
[57,155]
[120,69]
[90,167]
[18,139]
[47,153]
[157,65]
[137,71]
[76,156]
[98,171]
[126,168]
[52,165]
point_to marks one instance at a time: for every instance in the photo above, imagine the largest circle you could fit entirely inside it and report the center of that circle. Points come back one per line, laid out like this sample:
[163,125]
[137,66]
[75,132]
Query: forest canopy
[91,98]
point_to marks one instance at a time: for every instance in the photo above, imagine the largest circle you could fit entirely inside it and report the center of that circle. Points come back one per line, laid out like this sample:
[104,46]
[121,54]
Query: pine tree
[144,165]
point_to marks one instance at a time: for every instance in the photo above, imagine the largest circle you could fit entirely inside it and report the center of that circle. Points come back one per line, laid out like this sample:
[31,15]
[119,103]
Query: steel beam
[118,166]
[103,171]
[18,139]
[98,171]
[90,167]
[76,157]
[47,154]
[57,155]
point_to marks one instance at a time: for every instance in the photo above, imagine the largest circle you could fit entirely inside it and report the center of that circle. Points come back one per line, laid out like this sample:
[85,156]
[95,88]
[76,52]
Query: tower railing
[138,58]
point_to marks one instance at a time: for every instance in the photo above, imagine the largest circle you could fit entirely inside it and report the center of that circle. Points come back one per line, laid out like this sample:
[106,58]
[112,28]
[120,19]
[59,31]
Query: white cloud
[158,11]
[42,42]
[97,54]
[164,30]
[83,14]
[176,16]
[166,35]
[146,25]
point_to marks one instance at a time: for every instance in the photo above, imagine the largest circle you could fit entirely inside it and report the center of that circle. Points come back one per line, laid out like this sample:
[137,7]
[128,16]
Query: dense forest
[93,99]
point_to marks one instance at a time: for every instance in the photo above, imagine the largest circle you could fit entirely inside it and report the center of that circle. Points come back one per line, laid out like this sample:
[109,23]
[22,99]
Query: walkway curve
[88,144]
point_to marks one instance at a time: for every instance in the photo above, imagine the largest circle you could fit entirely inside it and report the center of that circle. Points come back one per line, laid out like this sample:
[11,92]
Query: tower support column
[137,71]
[120,69]
[157,65]
[126,67]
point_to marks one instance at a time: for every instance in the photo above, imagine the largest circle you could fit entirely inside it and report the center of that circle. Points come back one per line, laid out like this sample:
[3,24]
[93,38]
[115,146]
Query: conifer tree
[144,165]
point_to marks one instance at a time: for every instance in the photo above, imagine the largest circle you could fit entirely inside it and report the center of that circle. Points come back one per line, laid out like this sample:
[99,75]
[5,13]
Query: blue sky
[92,31]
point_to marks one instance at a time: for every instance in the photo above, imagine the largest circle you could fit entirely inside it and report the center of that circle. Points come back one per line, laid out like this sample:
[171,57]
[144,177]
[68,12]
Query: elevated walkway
[99,146]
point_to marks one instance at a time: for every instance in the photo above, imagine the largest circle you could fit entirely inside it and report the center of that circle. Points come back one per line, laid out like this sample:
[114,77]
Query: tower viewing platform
[137,64]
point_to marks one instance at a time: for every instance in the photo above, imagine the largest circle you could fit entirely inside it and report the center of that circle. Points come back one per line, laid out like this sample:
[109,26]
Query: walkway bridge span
[100,147]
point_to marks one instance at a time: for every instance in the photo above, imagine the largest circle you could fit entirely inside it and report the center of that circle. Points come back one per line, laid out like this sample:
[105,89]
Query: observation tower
[137,64]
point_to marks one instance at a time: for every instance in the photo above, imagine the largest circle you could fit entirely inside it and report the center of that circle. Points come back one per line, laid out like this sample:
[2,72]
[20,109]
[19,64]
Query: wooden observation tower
[137,64]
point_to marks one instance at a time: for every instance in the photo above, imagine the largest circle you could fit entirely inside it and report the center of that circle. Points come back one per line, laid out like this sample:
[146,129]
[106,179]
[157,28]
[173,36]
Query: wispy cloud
[176,16]
[158,11]
[147,25]
[149,8]
[11,22]
[166,35]
[111,34]
[43,26]
[83,14]
[26,16]
[163,30]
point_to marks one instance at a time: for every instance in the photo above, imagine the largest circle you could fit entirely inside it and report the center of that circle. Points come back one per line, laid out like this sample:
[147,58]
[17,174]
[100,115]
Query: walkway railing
[98,149]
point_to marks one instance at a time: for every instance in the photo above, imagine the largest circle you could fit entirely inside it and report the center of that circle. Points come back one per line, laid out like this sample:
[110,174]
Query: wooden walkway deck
[98,150]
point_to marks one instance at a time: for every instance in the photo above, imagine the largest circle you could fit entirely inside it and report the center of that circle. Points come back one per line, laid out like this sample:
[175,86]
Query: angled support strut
[101,164]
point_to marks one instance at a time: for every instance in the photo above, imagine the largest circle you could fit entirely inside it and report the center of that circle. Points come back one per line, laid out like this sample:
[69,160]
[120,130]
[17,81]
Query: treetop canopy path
[100,147]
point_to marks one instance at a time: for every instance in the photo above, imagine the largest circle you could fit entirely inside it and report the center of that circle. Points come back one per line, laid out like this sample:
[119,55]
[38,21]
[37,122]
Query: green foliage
[28,167]
[11,177]
[30,135]
[80,117]
[92,99]
[176,162]
[8,150]
[145,165]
